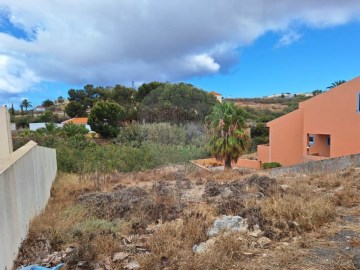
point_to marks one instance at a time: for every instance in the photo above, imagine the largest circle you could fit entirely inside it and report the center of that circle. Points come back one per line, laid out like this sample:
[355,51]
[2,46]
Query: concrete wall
[248,163]
[6,146]
[36,126]
[26,176]
[323,166]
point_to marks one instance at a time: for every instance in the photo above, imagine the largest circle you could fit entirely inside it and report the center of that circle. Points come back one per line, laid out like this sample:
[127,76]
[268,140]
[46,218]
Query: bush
[105,117]
[137,148]
[162,133]
[270,165]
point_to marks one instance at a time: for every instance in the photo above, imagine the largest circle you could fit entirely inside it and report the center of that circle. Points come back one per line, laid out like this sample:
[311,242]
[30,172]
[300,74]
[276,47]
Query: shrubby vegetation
[270,165]
[138,147]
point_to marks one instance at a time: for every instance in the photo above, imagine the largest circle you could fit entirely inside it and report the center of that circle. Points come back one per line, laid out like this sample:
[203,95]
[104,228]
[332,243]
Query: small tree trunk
[227,163]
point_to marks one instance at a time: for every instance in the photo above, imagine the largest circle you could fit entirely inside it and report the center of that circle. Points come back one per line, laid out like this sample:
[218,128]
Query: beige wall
[26,177]
[6,146]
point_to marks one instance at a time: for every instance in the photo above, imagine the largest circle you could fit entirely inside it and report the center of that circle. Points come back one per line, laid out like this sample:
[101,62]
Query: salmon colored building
[325,126]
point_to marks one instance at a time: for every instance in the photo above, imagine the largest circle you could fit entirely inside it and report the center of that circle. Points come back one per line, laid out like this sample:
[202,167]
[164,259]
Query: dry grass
[303,214]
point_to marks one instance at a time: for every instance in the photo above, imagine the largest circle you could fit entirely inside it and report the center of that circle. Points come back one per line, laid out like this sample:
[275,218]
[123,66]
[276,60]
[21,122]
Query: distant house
[217,95]
[39,109]
[325,126]
[78,121]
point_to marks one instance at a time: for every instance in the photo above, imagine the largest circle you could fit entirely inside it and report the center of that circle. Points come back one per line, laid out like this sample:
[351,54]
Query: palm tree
[26,104]
[225,127]
[336,83]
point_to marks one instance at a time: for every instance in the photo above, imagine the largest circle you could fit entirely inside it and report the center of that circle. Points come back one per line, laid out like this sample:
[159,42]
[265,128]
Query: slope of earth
[178,218]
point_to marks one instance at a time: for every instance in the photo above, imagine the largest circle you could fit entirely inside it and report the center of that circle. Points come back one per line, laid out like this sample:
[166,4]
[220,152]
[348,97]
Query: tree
[146,88]
[26,104]
[317,92]
[12,110]
[335,84]
[123,95]
[47,103]
[176,103]
[75,109]
[227,138]
[60,100]
[105,118]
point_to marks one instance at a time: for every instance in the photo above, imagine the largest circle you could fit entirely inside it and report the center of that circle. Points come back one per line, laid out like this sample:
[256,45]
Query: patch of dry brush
[159,218]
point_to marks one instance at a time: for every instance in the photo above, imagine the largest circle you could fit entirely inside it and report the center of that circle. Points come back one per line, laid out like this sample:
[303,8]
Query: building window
[311,140]
[328,141]
[358,103]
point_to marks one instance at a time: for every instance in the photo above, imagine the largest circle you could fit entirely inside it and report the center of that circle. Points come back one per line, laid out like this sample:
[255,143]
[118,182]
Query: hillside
[161,219]
[262,110]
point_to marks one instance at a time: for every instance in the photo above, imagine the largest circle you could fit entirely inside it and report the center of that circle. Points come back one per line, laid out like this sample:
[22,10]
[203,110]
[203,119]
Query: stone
[228,223]
[256,232]
[284,188]
[264,241]
[69,250]
[119,256]
[204,246]
[132,265]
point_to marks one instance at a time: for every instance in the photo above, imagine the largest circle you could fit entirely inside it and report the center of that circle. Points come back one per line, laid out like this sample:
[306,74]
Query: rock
[227,193]
[204,246]
[284,188]
[256,232]
[132,265]
[119,256]
[231,223]
[83,265]
[69,250]
[264,242]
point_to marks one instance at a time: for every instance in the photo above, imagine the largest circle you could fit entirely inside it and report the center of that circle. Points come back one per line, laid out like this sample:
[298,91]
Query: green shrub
[270,165]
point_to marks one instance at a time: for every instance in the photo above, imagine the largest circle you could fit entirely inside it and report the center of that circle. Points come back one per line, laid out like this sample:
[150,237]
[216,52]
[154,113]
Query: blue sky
[318,58]
[234,48]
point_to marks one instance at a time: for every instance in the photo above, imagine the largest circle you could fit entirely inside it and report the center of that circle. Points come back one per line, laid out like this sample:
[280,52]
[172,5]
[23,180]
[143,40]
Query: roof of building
[214,93]
[77,120]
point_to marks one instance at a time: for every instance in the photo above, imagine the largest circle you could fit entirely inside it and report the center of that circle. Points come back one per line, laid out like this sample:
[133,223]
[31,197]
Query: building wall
[247,163]
[335,112]
[287,142]
[26,176]
[263,152]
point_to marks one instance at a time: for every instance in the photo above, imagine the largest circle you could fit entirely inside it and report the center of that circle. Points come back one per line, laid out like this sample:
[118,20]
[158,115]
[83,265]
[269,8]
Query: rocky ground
[179,218]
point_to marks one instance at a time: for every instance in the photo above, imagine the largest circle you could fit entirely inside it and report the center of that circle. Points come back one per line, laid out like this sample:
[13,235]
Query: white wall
[36,126]
[6,146]
[26,176]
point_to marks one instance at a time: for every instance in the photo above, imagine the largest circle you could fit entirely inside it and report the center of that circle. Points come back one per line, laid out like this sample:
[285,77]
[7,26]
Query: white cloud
[15,76]
[118,41]
[288,39]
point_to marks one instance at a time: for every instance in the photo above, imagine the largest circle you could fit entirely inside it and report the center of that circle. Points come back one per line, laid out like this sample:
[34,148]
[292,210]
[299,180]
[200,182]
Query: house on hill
[325,126]
[217,95]
[78,121]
